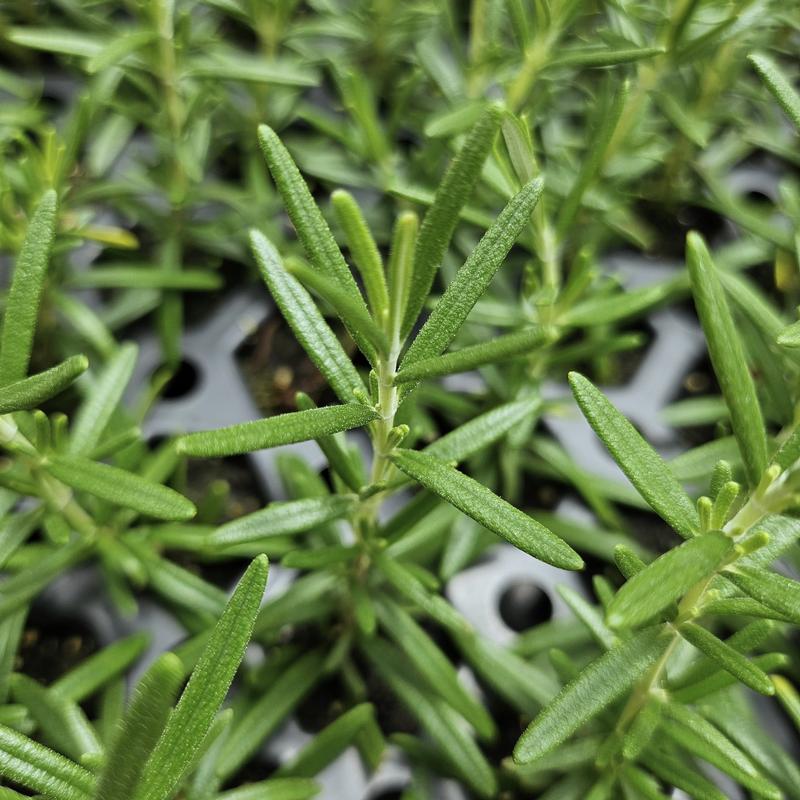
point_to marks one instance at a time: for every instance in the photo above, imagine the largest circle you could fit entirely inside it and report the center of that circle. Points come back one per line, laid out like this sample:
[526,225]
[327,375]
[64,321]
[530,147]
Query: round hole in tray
[183,381]
[523,604]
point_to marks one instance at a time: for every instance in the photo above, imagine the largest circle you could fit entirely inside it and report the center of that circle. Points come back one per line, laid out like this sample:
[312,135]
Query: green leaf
[692,731]
[363,251]
[442,724]
[644,468]
[311,227]
[304,318]
[442,217]
[62,723]
[788,697]
[603,57]
[667,579]
[478,355]
[55,40]
[601,683]
[102,399]
[98,669]
[401,269]
[229,64]
[727,357]
[592,161]
[127,276]
[474,277]
[298,426]
[211,678]
[139,729]
[25,294]
[412,588]
[728,658]
[32,392]
[328,744]
[43,770]
[355,315]
[483,430]
[274,789]
[120,487]
[262,717]
[283,518]
[434,666]
[790,336]
[772,590]
[779,85]
[484,506]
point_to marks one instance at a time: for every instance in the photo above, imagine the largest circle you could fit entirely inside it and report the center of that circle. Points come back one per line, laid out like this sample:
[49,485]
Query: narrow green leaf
[644,468]
[262,717]
[274,789]
[727,357]
[363,250]
[474,276]
[478,355]
[603,57]
[139,729]
[55,40]
[400,269]
[601,683]
[43,770]
[675,772]
[341,459]
[311,227]
[484,506]
[283,518]
[62,723]
[789,336]
[592,162]
[121,487]
[304,318]
[788,697]
[125,276]
[692,731]
[412,588]
[667,579]
[722,679]
[328,744]
[442,723]
[32,392]
[98,669]
[298,426]
[102,399]
[772,590]
[442,217]
[483,430]
[434,666]
[25,294]
[235,65]
[355,315]
[779,85]
[211,678]
[728,658]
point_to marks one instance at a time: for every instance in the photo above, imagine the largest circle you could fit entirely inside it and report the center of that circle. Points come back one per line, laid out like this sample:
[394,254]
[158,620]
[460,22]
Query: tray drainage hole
[394,793]
[184,379]
[523,604]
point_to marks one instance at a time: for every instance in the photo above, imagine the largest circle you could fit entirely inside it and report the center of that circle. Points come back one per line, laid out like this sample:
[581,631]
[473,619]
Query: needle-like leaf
[474,277]
[139,730]
[305,320]
[441,219]
[644,468]
[583,698]
[209,683]
[43,770]
[729,659]
[260,434]
[484,506]
[283,518]
[478,355]
[121,487]
[31,392]
[667,579]
[772,590]
[25,294]
[779,85]
[727,357]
